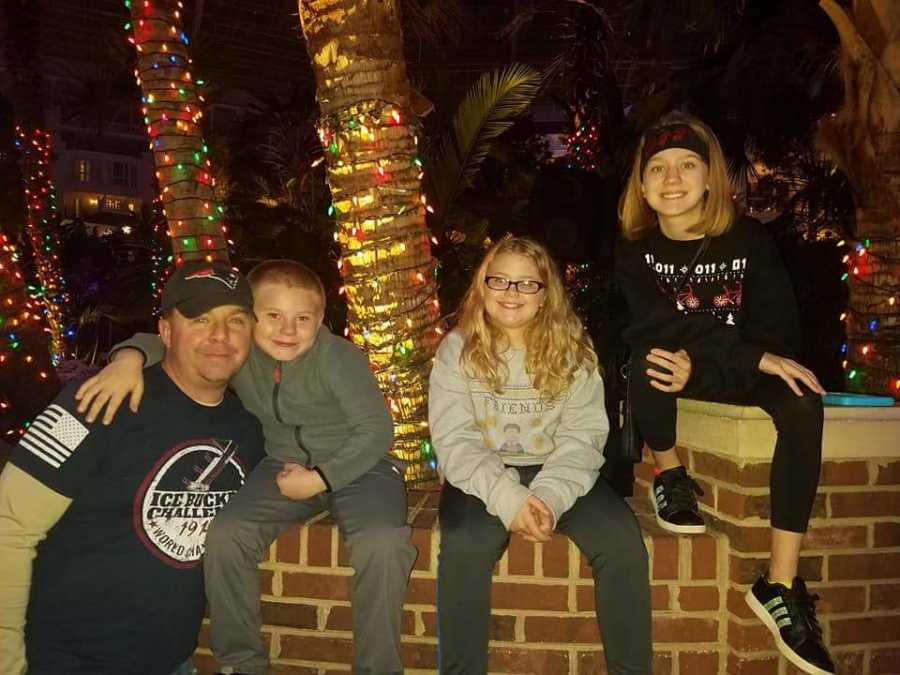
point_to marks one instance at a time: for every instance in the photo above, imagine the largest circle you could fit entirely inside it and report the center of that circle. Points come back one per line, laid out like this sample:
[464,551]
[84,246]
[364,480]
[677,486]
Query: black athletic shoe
[675,502]
[790,615]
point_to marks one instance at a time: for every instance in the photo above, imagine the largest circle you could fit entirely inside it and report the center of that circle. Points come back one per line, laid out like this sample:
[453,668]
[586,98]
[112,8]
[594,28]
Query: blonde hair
[557,344]
[288,273]
[638,219]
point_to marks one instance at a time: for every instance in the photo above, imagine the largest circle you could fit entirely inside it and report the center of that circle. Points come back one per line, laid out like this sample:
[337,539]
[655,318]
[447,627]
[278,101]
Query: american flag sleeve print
[54,435]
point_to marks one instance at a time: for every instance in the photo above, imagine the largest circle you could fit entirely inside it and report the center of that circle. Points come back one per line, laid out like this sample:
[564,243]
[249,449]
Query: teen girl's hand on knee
[297,482]
[678,365]
[791,372]
[534,521]
[122,377]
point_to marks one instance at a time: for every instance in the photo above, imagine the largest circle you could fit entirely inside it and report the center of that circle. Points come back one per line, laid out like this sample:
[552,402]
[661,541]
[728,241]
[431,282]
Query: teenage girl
[713,317]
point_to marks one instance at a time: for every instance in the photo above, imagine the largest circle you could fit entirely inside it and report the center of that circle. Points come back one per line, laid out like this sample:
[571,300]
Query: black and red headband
[672,136]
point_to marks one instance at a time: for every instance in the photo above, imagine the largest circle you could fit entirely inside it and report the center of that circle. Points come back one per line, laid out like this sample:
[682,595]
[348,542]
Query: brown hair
[638,219]
[288,273]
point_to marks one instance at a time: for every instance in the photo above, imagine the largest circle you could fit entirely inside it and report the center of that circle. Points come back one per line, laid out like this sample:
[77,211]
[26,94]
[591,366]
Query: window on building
[83,167]
[124,174]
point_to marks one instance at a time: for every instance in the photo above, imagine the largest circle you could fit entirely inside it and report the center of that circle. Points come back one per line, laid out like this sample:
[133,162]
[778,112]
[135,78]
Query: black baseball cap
[197,287]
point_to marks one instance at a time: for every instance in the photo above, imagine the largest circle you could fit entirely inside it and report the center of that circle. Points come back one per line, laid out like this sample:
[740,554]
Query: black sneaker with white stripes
[790,615]
[675,502]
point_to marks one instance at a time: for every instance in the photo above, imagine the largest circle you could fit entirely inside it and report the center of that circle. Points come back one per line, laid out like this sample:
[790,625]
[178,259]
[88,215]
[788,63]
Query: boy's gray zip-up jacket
[323,410]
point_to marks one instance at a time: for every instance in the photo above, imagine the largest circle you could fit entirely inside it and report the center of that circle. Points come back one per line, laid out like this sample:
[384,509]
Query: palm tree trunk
[172,109]
[873,325]
[41,225]
[863,138]
[368,132]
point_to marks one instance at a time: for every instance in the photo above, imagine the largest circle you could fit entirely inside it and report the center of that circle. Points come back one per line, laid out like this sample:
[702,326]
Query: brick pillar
[851,555]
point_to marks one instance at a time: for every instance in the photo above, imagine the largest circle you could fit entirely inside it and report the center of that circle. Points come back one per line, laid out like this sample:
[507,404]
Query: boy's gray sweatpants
[371,515]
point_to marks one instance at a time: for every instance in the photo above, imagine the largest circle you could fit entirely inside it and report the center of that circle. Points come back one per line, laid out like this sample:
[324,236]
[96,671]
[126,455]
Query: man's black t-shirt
[117,584]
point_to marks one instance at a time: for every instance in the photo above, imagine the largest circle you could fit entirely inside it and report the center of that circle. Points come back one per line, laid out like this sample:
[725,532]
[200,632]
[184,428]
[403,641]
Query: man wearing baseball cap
[102,527]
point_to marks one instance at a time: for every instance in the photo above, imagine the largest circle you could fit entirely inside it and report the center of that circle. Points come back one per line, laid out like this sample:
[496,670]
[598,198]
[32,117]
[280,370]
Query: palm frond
[490,107]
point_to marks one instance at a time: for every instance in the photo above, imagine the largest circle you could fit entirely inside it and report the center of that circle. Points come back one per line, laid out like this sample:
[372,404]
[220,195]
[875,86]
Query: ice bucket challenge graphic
[177,501]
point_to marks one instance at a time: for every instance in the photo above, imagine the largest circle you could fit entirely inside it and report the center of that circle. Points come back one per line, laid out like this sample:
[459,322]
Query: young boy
[327,434]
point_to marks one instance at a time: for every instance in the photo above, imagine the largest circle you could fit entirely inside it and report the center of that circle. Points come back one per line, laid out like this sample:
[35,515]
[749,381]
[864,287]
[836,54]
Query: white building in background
[106,180]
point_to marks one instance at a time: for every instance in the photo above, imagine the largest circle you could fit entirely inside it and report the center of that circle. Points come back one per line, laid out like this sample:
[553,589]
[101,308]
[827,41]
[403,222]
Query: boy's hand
[534,521]
[123,376]
[298,483]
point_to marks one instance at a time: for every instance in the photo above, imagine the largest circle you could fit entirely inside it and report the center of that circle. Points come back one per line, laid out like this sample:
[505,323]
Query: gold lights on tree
[368,131]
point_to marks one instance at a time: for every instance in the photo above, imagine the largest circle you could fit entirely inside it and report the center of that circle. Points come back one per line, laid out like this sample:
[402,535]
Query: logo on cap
[230,281]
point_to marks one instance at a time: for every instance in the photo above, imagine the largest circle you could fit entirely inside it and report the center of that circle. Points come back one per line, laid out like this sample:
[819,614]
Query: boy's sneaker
[675,502]
[790,615]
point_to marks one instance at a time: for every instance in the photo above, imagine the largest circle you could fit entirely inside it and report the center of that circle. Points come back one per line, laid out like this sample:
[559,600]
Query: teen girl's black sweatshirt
[735,303]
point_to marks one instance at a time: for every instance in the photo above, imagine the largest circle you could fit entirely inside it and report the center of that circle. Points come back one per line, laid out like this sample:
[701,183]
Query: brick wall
[542,619]
[851,557]
[543,604]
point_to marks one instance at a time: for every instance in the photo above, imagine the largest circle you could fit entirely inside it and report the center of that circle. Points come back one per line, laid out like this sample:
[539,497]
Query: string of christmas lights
[588,287]
[588,35]
[386,265]
[872,350]
[23,339]
[41,225]
[583,143]
[369,135]
[173,107]
[162,259]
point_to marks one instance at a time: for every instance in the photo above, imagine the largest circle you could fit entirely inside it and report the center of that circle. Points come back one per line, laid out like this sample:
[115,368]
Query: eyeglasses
[524,286]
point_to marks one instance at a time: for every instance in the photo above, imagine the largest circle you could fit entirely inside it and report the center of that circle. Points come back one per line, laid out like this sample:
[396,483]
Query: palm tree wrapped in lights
[173,108]
[863,138]
[368,131]
[41,225]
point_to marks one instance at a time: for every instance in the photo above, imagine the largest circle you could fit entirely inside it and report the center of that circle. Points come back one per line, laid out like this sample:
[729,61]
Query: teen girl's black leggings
[798,420]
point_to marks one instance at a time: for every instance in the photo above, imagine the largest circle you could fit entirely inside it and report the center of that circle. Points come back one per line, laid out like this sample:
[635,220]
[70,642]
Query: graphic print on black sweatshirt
[712,287]
[178,499]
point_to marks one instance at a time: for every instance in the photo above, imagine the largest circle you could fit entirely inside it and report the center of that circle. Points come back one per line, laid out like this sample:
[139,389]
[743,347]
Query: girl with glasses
[713,317]
[520,361]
